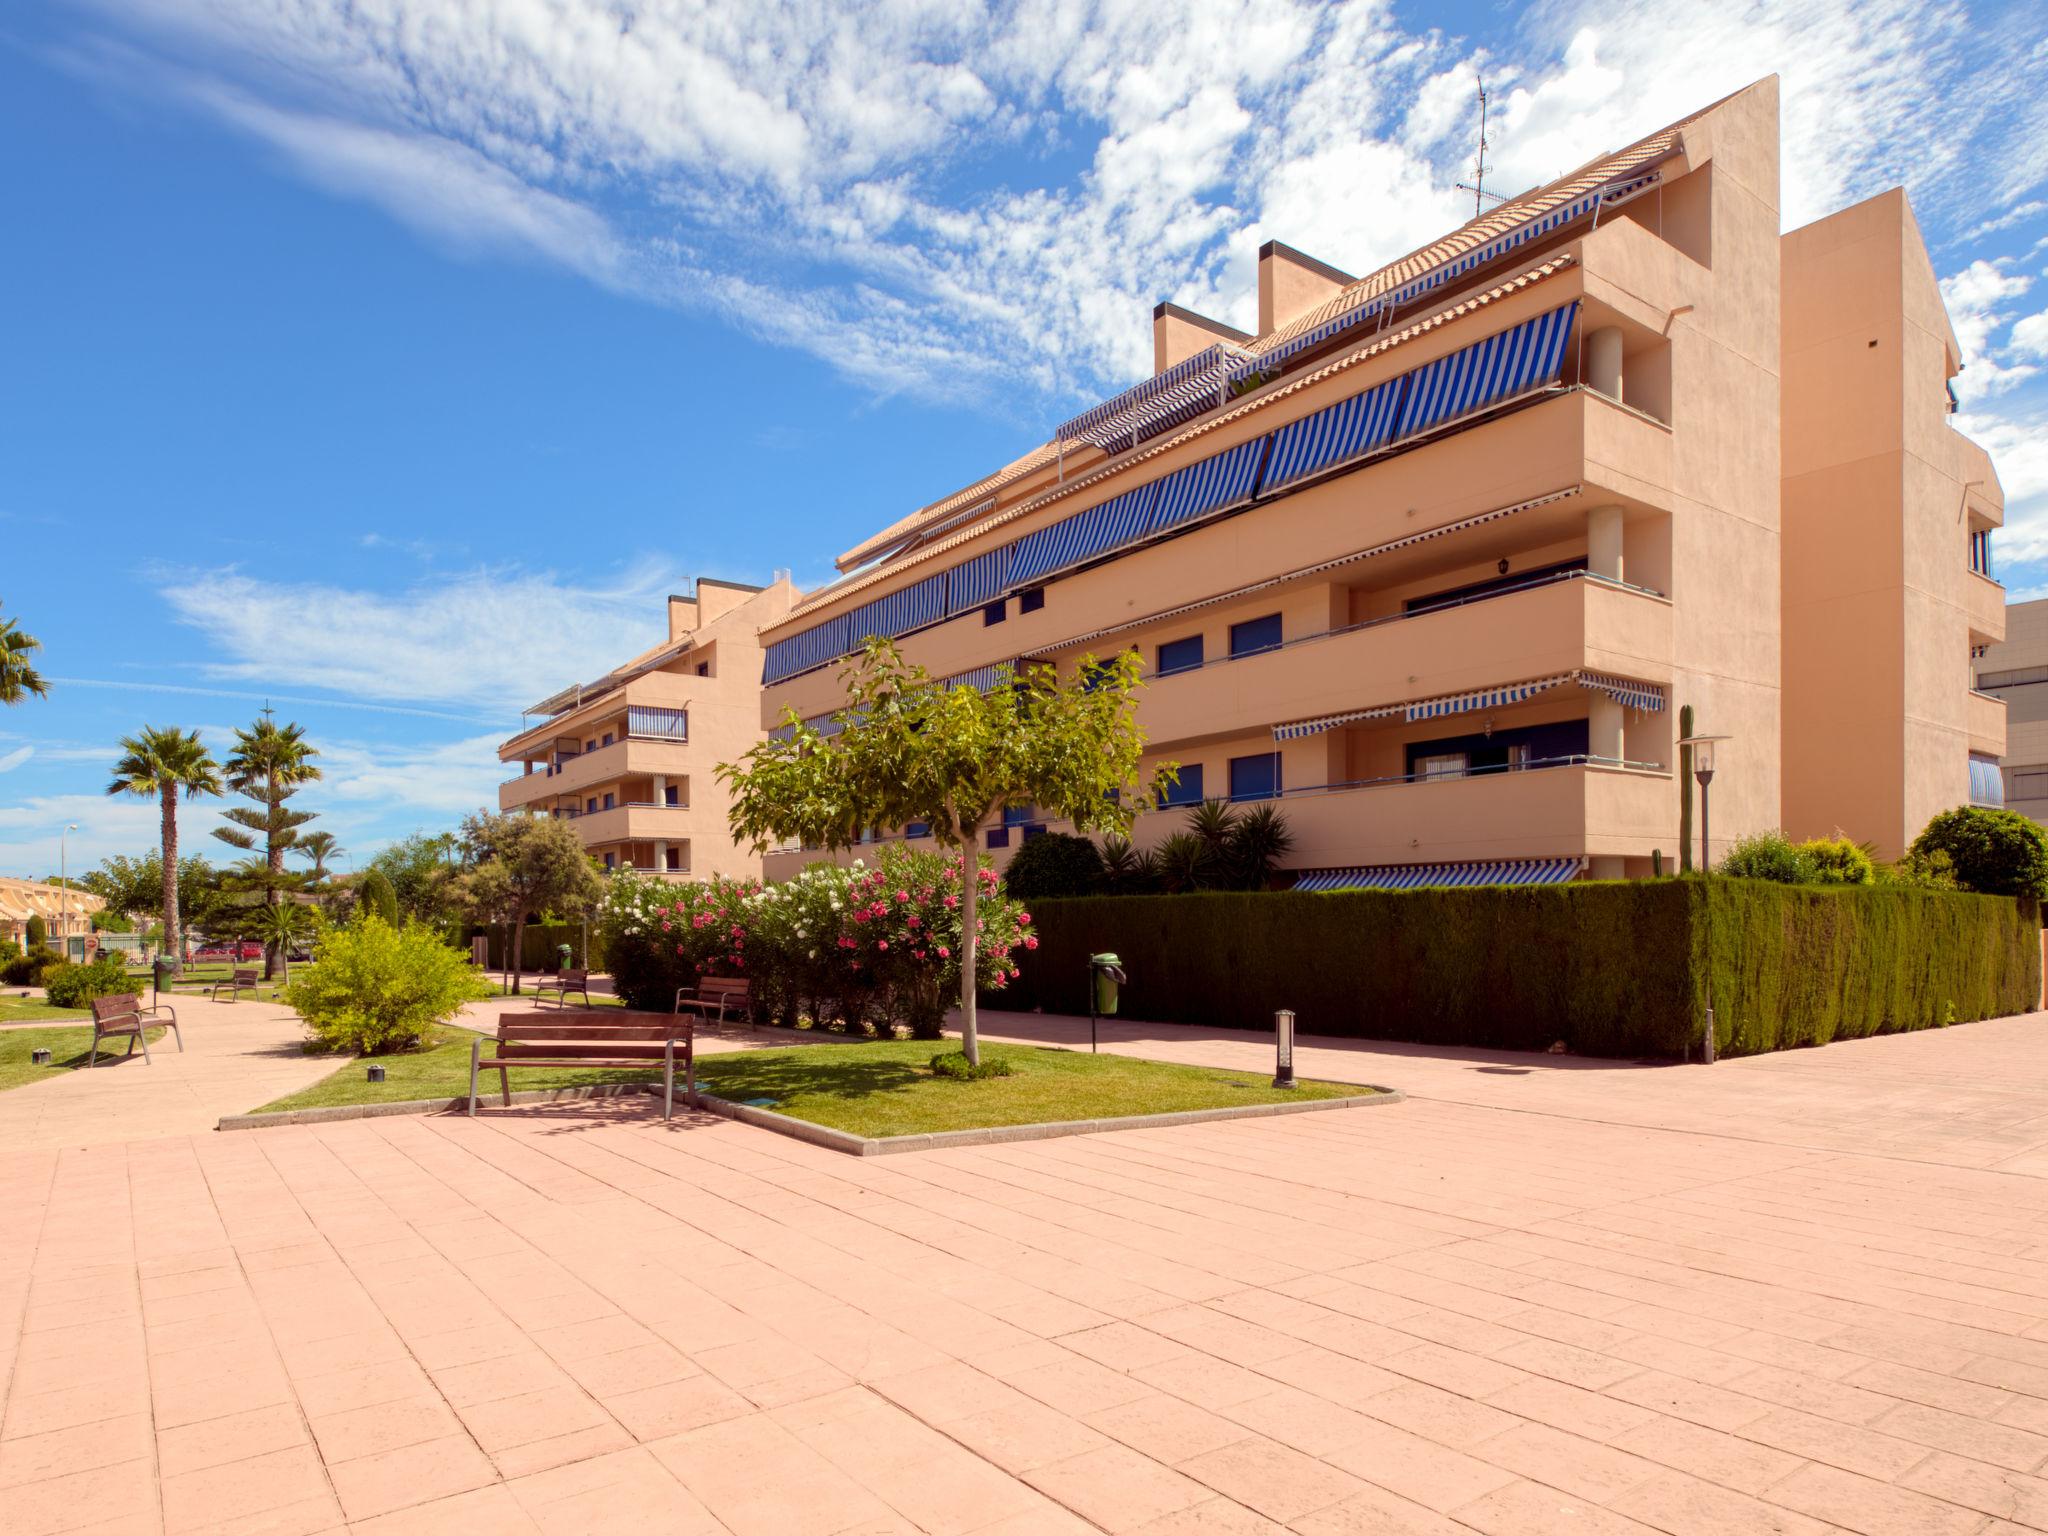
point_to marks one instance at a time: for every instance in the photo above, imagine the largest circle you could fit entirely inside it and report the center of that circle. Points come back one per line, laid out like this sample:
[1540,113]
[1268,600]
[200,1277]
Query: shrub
[373,988]
[377,895]
[1054,864]
[73,986]
[38,931]
[954,1064]
[1768,856]
[1837,861]
[27,970]
[1998,853]
[8,950]
[1929,871]
[1623,968]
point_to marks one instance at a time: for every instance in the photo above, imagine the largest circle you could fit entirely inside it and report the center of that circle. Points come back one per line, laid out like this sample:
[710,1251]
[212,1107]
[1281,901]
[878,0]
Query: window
[995,612]
[2030,783]
[1256,777]
[1035,829]
[1189,790]
[590,806]
[1442,765]
[1016,815]
[999,837]
[1031,601]
[1182,655]
[703,669]
[607,738]
[607,802]
[609,861]
[590,746]
[1980,551]
[674,860]
[1987,785]
[1255,635]
[918,829]
[672,795]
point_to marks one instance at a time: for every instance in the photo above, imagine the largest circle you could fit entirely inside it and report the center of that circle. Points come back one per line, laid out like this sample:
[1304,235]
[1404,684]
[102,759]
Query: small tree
[526,866]
[281,927]
[910,749]
[1055,864]
[373,988]
[2000,853]
[376,895]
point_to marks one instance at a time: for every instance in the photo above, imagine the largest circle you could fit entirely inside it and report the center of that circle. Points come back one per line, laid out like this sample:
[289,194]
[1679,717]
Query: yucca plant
[1258,841]
[1186,863]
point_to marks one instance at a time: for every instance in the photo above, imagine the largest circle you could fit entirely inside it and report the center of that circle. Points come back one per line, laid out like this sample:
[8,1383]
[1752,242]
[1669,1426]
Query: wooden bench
[713,995]
[241,981]
[560,986]
[596,1037]
[122,1013]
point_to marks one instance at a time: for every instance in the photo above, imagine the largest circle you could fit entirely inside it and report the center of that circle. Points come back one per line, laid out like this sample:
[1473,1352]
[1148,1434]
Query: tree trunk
[516,947]
[970,943]
[273,860]
[168,795]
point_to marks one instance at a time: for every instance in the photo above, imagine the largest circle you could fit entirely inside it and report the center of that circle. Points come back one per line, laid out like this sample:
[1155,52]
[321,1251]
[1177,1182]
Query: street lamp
[1703,771]
[64,882]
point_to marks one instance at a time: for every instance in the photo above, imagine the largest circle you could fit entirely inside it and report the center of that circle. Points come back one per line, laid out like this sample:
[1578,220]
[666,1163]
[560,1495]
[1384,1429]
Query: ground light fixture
[1703,771]
[376,1072]
[1283,1049]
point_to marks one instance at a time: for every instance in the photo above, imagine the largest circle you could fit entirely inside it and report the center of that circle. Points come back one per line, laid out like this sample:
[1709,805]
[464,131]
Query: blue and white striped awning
[1498,368]
[1340,432]
[1074,539]
[981,679]
[1443,273]
[980,580]
[1315,727]
[1644,696]
[1408,877]
[1188,388]
[801,652]
[1484,698]
[1218,482]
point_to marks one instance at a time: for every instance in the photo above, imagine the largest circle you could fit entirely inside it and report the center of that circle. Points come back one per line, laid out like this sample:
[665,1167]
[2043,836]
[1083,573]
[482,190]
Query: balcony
[1984,722]
[1550,627]
[635,756]
[605,711]
[1984,605]
[628,823]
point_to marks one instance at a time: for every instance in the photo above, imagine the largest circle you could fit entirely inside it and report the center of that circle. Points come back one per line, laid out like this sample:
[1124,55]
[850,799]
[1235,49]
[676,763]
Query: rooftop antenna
[1477,185]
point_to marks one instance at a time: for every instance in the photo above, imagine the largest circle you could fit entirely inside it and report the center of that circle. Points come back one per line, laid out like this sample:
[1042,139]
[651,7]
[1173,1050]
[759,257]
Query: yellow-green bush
[1611,968]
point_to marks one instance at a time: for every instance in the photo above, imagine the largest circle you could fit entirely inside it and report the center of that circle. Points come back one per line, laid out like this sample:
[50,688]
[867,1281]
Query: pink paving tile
[1276,1481]
[1874,1508]
[71,1500]
[1079,1387]
[215,1498]
[1530,1509]
[1672,1501]
[1218,1517]
[1117,1488]
[629,1370]
[215,1442]
[1732,1462]
[1166,1428]
[560,1450]
[627,1490]
[60,1452]
[1025,1434]
[760,1480]
[1418,1469]
[361,1387]
[413,1474]
[649,1413]
[485,1381]
[1973,1485]
[1445,1417]
[492,1511]
[1584,1467]
[357,1432]
[219,1397]
[2016,1450]
[1376,1512]
[529,1416]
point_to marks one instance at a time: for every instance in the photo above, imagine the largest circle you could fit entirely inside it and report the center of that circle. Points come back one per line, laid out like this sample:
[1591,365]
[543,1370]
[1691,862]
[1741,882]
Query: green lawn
[13,1009]
[875,1088]
[68,1049]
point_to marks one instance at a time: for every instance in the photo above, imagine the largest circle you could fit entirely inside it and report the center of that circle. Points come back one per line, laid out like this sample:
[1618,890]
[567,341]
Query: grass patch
[14,1009]
[68,1048]
[878,1088]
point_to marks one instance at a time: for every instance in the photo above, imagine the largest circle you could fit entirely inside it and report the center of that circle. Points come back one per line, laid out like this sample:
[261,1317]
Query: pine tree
[270,764]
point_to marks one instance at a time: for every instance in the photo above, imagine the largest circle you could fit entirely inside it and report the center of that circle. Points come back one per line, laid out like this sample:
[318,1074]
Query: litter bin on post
[160,970]
[1105,975]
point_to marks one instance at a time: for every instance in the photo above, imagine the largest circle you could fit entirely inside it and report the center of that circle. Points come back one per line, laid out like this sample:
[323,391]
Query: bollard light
[376,1072]
[1283,1048]
[39,1058]
[1707,1046]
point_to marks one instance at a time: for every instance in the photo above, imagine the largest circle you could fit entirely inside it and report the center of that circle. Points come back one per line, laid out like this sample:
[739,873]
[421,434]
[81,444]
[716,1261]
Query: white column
[1604,727]
[1604,542]
[1603,361]
[660,854]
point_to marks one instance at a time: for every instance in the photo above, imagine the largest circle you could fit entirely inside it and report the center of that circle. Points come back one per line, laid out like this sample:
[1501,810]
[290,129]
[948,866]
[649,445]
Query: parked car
[248,949]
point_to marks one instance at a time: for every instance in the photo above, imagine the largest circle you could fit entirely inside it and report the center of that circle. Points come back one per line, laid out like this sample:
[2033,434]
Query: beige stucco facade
[629,759]
[1458,638]
[1888,512]
[66,913]
[2013,673]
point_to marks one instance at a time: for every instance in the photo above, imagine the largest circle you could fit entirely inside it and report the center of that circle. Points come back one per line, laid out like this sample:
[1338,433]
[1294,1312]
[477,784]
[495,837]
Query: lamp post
[1703,772]
[64,881]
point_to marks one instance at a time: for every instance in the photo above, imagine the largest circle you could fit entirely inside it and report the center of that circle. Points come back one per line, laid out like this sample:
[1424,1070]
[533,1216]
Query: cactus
[1685,793]
[1657,863]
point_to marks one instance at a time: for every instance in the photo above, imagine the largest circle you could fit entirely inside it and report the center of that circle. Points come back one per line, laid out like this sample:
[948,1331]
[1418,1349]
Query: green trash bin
[1106,975]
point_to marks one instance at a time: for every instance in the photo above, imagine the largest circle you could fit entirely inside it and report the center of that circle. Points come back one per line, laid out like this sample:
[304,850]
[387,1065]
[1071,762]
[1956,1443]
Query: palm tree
[1258,842]
[161,761]
[283,926]
[17,678]
[322,849]
[269,765]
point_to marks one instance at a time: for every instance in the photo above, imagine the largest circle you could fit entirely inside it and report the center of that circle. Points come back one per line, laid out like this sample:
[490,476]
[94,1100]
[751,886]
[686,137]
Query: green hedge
[537,949]
[1613,969]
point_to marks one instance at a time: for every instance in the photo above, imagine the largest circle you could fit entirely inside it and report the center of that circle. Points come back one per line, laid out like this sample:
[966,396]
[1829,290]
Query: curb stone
[821,1135]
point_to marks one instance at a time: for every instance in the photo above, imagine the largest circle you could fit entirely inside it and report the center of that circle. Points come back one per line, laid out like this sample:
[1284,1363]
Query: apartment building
[2014,671]
[629,758]
[1435,558]
[1888,520]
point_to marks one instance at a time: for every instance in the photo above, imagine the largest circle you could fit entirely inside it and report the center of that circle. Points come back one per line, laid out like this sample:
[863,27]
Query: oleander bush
[846,947]
[1624,968]
[373,988]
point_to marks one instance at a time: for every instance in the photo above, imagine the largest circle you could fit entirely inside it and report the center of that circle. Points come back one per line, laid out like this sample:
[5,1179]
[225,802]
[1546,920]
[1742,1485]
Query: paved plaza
[1793,1294]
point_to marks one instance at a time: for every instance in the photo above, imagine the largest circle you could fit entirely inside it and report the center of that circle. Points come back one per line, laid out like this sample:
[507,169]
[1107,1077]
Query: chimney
[1291,284]
[715,598]
[1178,334]
[682,616]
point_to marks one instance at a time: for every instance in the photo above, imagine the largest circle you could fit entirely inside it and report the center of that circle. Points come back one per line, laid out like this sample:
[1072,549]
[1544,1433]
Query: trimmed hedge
[1620,968]
[538,949]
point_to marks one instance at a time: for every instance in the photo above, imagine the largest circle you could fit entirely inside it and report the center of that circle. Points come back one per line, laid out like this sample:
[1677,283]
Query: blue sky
[391,363]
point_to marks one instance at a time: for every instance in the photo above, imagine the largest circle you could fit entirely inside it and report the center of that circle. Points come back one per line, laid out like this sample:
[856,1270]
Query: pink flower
[913,920]
[1031,941]
[902,896]
[919,953]
[952,900]
[664,925]
[679,949]
[881,943]
[945,953]
[1024,918]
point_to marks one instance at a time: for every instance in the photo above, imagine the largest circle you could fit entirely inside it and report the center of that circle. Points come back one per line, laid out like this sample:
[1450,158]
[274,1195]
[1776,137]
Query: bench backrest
[723,986]
[115,1005]
[246,978]
[573,978]
[596,1032]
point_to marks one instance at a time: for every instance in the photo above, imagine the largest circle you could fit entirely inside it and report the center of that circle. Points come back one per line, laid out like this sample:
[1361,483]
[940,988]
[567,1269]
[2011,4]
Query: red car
[246,950]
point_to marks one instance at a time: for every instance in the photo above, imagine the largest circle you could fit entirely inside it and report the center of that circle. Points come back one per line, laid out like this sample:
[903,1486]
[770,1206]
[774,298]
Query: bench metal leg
[690,1077]
[505,1086]
[668,1080]
[142,1039]
[92,1058]
[178,1035]
[476,1049]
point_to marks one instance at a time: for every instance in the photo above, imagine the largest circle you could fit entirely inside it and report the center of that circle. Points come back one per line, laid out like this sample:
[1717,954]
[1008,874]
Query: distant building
[2015,671]
[1434,560]
[66,913]
[628,759]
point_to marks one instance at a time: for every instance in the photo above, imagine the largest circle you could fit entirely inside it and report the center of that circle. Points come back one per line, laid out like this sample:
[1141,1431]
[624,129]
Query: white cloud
[14,759]
[1977,307]
[107,825]
[492,640]
[2018,445]
[983,201]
